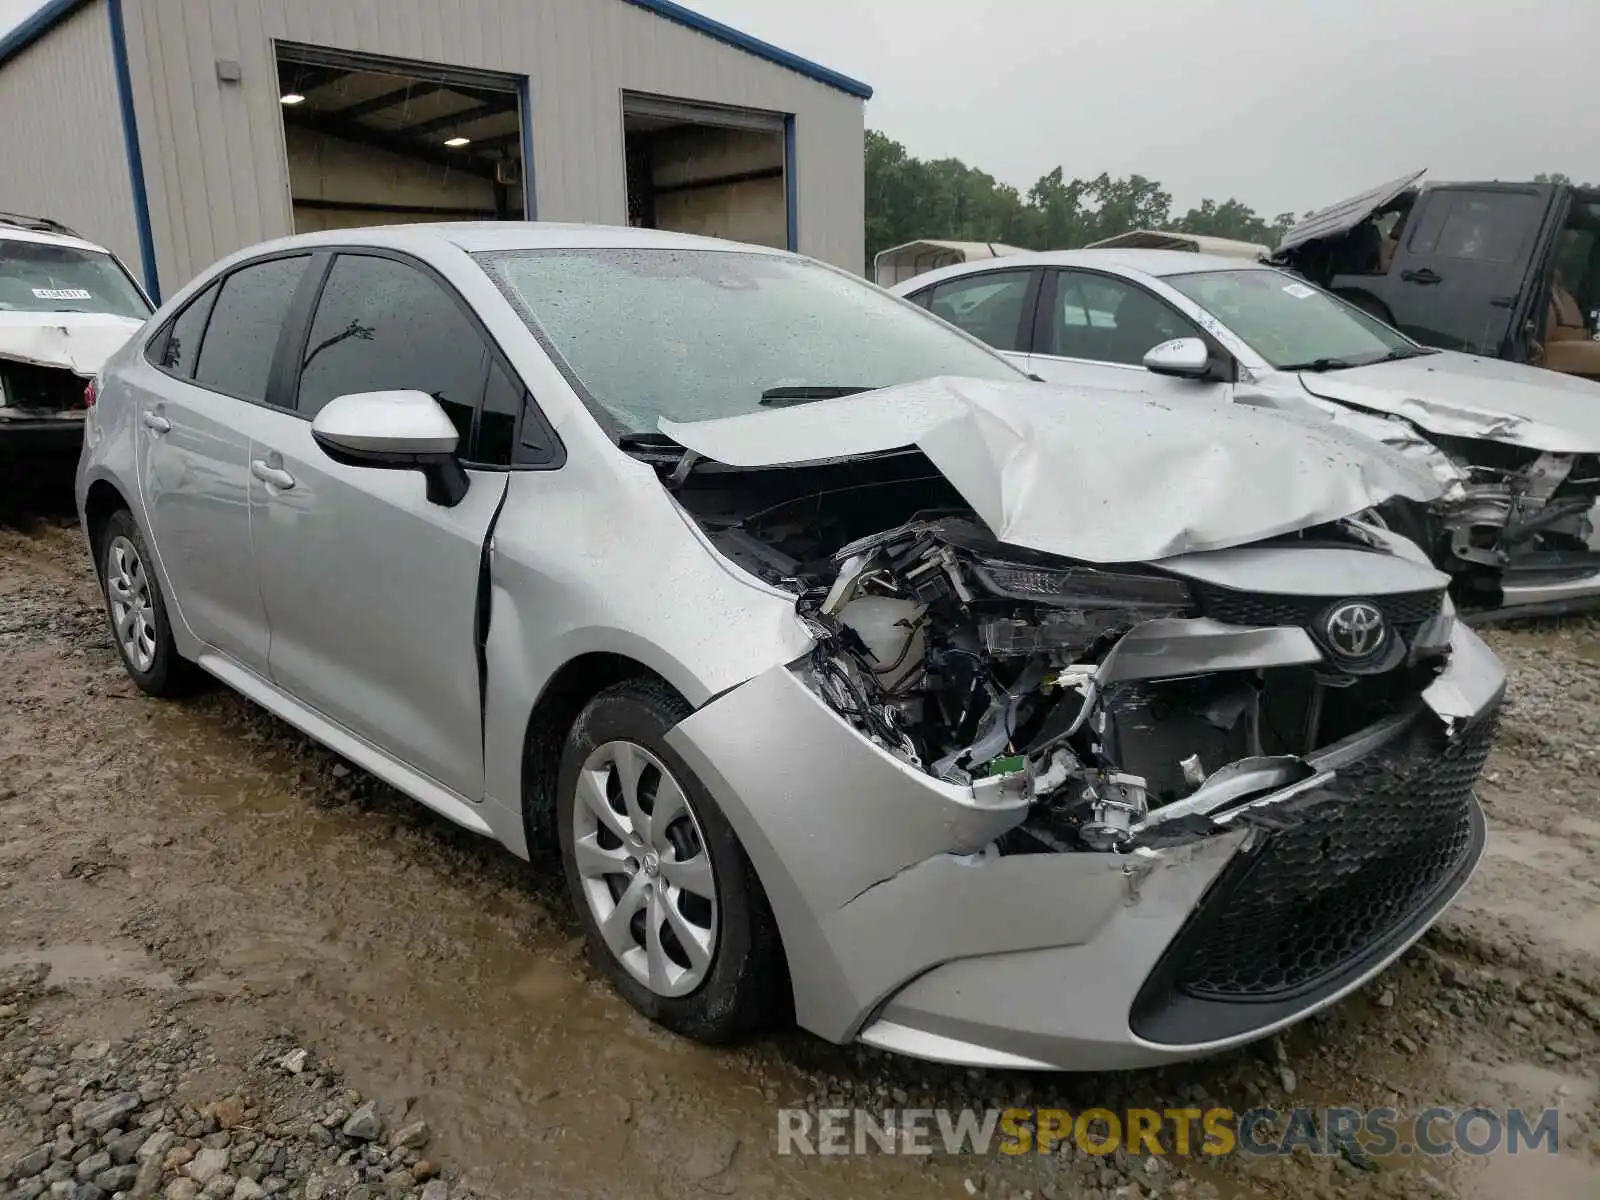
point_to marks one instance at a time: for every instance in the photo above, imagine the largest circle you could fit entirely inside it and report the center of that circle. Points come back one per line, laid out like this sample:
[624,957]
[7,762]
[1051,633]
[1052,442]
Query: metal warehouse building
[177,131]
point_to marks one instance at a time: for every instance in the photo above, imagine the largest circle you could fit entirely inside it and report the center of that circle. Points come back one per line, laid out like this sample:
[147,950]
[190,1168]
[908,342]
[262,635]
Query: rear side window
[1481,226]
[179,348]
[383,325]
[240,338]
[987,306]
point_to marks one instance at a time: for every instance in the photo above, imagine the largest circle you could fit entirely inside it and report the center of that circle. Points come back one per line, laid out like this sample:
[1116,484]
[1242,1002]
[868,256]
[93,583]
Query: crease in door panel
[481,618]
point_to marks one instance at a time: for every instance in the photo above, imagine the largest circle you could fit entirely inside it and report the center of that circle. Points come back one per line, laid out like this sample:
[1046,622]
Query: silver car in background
[848,673]
[1516,449]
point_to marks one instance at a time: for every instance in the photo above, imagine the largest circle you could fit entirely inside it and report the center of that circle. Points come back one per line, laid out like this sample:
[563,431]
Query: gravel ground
[191,892]
[143,1116]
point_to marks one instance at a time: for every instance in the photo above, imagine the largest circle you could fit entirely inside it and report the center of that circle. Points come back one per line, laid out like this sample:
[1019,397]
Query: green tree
[909,198]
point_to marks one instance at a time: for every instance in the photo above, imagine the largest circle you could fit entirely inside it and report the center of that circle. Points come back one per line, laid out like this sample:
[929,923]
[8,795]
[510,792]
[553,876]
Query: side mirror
[397,431]
[1187,358]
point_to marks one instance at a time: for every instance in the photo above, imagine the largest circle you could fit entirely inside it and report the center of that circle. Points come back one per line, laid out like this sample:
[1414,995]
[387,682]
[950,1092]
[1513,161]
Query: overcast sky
[1284,105]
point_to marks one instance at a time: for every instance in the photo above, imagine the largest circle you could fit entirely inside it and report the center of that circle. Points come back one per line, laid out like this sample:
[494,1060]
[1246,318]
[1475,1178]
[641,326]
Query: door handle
[1426,275]
[267,473]
[155,422]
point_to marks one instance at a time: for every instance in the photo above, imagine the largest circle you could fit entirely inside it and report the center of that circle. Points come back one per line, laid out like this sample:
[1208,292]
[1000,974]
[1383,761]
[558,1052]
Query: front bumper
[905,928]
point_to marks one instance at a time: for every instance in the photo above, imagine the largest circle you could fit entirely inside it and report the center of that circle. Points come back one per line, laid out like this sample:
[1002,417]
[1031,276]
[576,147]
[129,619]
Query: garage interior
[699,168]
[378,143]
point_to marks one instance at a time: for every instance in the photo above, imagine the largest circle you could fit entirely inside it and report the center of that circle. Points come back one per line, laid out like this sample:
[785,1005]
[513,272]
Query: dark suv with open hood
[1507,270]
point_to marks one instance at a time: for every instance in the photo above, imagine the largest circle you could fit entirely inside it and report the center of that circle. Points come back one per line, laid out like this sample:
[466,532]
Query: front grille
[1405,612]
[1316,898]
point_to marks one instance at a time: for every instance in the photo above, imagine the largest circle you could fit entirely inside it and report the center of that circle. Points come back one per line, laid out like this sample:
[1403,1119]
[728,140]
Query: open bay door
[706,169]
[373,141]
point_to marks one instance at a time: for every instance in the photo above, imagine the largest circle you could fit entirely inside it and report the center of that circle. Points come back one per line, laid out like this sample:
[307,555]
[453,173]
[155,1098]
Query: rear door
[1463,265]
[198,397]
[995,307]
[371,590]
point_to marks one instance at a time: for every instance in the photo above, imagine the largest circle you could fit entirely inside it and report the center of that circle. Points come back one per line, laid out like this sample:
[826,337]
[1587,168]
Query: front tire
[137,611]
[670,906]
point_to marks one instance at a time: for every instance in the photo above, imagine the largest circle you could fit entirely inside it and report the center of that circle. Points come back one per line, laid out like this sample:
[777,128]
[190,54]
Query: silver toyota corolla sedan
[846,671]
[1517,448]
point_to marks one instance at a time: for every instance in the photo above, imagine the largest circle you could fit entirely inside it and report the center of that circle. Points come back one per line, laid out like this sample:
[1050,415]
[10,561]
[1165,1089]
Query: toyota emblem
[1356,630]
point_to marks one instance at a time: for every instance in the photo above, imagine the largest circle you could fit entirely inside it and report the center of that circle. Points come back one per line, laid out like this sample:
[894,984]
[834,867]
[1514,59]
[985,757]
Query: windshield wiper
[782,397]
[1322,364]
[1344,364]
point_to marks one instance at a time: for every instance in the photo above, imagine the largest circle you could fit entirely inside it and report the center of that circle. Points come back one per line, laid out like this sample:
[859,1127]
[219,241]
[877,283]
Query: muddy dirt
[204,859]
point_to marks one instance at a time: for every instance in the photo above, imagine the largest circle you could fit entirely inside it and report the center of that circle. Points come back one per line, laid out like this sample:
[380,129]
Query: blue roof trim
[743,41]
[37,25]
[56,11]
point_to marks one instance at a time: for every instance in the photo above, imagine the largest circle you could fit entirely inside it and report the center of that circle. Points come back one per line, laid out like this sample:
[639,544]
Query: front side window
[1290,324]
[693,335]
[988,306]
[383,325]
[242,334]
[42,277]
[1105,319]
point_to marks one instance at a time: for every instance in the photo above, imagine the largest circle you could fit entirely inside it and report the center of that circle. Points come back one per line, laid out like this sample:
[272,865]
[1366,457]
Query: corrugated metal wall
[214,154]
[62,153]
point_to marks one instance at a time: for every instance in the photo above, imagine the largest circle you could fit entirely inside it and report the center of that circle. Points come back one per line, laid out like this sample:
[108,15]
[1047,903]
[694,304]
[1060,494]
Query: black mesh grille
[1406,612]
[1318,894]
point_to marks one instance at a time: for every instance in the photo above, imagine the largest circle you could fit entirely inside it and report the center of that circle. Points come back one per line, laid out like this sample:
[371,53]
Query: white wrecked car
[1516,448]
[66,305]
[966,717]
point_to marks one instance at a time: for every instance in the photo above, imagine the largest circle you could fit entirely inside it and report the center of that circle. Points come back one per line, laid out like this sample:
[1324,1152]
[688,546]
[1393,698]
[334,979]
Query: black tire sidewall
[166,675]
[730,999]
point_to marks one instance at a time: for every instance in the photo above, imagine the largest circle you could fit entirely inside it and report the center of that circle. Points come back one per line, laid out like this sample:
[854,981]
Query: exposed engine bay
[978,662]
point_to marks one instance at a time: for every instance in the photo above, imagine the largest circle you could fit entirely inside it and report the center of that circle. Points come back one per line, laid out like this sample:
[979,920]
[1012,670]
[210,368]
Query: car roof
[481,236]
[14,233]
[1156,263]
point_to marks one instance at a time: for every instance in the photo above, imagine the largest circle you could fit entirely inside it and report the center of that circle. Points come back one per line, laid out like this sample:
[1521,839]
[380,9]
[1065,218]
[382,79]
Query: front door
[196,405]
[371,590]
[1462,263]
[1094,330]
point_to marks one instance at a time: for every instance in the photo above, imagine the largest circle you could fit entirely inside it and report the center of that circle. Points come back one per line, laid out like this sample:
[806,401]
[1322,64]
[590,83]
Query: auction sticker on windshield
[1299,290]
[62,293]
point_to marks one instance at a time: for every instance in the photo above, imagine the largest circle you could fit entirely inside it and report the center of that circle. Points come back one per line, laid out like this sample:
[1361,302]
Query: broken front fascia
[989,675]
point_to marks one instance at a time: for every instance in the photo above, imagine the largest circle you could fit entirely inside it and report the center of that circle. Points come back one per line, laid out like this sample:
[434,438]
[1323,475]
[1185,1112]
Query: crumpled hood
[80,342]
[1101,477]
[1462,395]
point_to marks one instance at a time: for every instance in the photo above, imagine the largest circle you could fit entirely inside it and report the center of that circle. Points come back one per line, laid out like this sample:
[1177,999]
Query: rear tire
[137,612]
[670,906]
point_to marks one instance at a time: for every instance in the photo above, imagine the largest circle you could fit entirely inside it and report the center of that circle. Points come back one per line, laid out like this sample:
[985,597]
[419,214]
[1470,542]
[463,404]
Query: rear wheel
[670,906]
[137,611]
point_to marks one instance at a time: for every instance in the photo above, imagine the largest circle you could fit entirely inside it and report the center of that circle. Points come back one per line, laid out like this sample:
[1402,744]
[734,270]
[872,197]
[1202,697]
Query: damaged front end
[47,365]
[1023,807]
[1518,530]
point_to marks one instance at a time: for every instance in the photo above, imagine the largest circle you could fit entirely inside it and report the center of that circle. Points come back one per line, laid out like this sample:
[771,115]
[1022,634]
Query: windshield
[691,335]
[1291,324]
[41,277]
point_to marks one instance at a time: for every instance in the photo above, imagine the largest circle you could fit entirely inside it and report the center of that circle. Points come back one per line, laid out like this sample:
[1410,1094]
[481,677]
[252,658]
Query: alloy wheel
[645,871]
[133,612]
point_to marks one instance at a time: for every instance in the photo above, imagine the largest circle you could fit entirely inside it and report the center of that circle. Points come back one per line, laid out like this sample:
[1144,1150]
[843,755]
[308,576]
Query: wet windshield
[692,335]
[42,277]
[1289,323]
